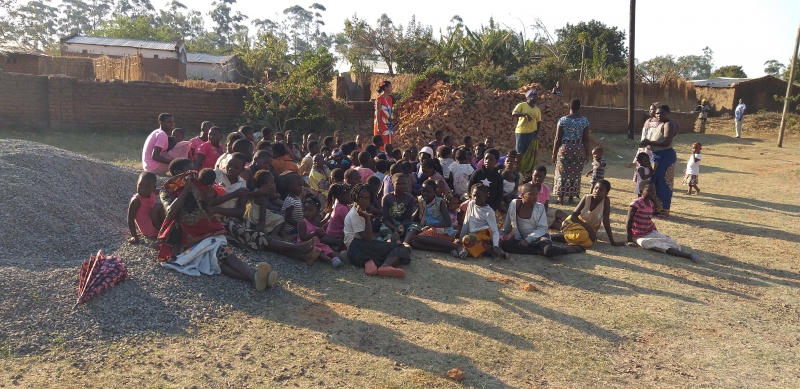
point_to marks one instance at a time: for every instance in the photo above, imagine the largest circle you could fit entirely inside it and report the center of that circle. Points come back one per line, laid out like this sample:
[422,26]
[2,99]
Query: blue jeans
[524,141]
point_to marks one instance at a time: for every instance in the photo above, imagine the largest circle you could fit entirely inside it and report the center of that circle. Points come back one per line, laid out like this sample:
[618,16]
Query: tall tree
[134,8]
[37,25]
[226,22]
[733,71]
[414,50]
[774,68]
[696,67]
[611,37]
[383,39]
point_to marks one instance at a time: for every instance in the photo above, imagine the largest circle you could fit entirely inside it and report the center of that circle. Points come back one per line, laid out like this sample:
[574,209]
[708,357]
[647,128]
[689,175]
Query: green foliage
[415,48]
[546,72]
[785,76]
[732,71]
[600,35]
[665,67]
[430,72]
[774,68]
[485,75]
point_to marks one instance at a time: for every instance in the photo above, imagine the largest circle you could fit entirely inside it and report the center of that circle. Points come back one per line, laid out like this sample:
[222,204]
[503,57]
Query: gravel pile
[57,208]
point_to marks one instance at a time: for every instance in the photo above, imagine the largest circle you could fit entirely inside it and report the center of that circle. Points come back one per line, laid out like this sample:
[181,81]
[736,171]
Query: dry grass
[614,317]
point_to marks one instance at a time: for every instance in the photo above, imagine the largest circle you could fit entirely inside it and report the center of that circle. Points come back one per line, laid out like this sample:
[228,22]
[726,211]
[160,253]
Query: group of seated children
[371,204]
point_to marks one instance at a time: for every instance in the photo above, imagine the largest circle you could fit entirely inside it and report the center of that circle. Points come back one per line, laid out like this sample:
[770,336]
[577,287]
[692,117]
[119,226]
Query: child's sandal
[462,254]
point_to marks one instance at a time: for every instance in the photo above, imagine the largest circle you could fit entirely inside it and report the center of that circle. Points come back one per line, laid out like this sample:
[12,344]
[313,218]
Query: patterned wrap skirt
[477,243]
[569,169]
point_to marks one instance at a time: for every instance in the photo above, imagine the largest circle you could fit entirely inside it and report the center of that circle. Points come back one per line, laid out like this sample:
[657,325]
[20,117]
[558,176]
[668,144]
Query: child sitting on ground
[375,256]
[397,206]
[643,172]
[598,171]
[555,217]
[352,177]
[460,172]
[336,207]
[479,232]
[641,229]
[337,176]
[382,166]
[292,205]
[257,207]
[308,229]
[319,177]
[509,186]
[692,170]
[144,209]
[364,166]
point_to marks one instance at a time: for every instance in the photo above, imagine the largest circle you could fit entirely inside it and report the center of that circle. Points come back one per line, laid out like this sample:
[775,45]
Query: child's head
[529,193]
[696,147]
[414,151]
[294,183]
[406,155]
[452,202]
[179,134]
[440,189]
[400,183]
[278,150]
[508,175]
[468,142]
[167,122]
[329,142]
[425,154]
[643,159]
[338,137]
[245,147]
[362,195]
[232,138]
[490,158]
[247,132]
[313,147]
[353,145]
[319,161]
[601,189]
[428,190]
[461,156]
[408,167]
[446,152]
[235,166]
[337,176]
[480,149]
[375,183]
[377,140]
[264,145]
[429,167]
[389,149]
[597,152]
[179,166]
[480,193]
[214,135]
[448,141]
[204,127]
[263,178]
[382,166]
[361,139]
[311,208]
[279,137]
[648,190]
[207,176]
[371,150]
[396,168]
[266,133]
[146,184]
[539,174]
[354,157]
[261,161]
[289,135]
[340,193]
[511,159]
[439,135]
[352,177]
[489,142]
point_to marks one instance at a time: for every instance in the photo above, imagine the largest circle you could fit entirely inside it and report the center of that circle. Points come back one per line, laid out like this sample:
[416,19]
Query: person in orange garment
[282,161]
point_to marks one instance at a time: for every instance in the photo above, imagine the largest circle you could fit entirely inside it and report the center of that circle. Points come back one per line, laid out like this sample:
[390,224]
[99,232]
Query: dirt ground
[612,317]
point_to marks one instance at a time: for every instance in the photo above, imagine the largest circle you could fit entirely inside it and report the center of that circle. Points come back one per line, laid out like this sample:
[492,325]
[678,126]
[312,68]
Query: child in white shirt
[692,170]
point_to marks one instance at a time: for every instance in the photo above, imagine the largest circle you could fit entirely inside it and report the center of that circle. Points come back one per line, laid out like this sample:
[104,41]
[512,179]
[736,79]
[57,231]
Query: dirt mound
[435,105]
[59,206]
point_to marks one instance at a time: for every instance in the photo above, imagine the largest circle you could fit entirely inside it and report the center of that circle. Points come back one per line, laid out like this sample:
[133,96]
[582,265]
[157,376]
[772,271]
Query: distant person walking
[704,110]
[739,117]
[384,117]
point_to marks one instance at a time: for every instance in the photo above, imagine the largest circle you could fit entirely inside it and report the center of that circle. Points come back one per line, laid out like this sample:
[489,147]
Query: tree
[785,76]
[415,48]
[36,25]
[226,22]
[8,22]
[657,69]
[696,67]
[774,68]
[134,8]
[613,39]
[302,26]
[732,71]
[383,39]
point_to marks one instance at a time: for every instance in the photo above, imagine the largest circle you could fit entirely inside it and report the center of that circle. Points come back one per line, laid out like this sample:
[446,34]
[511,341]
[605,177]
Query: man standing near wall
[739,117]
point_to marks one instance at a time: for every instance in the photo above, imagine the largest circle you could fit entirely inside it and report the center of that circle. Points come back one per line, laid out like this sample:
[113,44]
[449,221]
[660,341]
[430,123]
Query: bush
[546,72]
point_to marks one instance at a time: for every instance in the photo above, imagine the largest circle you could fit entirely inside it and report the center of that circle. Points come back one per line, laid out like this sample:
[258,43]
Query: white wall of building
[117,51]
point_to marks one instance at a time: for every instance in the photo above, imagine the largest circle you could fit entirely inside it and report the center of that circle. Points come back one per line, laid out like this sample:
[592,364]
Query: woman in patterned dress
[570,153]
[384,125]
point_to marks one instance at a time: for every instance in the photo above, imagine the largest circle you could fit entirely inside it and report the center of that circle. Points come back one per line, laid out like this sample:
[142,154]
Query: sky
[746,33]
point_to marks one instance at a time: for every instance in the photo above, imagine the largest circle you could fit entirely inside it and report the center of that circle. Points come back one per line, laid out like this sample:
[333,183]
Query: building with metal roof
[211,67]
[161,58]
[723,93]
[719,82]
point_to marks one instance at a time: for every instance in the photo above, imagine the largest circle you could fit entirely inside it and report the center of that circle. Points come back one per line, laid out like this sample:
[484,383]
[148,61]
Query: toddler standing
[643,172]
[598,171]
[692,170]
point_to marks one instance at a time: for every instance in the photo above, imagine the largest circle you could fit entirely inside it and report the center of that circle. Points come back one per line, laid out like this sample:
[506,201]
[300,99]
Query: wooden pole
[790,83]
[631,57]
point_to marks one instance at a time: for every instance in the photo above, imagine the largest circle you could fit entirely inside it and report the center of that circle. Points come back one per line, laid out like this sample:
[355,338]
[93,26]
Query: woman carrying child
[437,227]
[642,231]
[527,219]
[479,233]
[193,241]
[375,256]
[582,225]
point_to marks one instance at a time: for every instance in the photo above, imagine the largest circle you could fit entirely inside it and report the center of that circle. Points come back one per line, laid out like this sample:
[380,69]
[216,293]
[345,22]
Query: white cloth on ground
[199,259]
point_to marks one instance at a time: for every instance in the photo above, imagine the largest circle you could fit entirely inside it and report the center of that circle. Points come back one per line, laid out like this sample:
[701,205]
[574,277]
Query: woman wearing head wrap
[529,118]
[384,125]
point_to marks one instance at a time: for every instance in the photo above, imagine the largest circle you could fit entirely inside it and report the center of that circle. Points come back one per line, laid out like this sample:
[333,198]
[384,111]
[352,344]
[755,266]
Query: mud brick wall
[615,120]
[66,102]
[20,63]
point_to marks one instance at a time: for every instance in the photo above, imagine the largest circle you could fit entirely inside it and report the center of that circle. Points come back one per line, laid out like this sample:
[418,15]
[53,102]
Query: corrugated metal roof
[122,42]
[207,58]
[720,82]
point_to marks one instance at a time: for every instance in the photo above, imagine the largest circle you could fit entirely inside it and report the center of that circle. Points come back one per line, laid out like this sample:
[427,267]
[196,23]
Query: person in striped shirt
[598,171]
[641,229]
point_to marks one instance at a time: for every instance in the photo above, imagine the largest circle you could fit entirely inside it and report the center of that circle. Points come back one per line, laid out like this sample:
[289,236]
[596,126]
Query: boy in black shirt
[489,176]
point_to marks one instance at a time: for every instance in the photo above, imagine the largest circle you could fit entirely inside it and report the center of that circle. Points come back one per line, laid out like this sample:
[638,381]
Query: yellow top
[525,126]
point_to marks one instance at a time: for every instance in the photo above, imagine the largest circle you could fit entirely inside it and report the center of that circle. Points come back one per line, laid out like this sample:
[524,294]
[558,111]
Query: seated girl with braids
[437,233]
[363,250]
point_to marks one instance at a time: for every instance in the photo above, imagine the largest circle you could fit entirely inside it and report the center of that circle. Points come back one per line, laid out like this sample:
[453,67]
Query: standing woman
[659,139]
[570,153]
[384,125]
[529,118]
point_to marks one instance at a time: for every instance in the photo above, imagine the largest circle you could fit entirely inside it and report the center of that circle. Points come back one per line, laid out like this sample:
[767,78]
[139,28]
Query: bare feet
[370,268]
[390,271]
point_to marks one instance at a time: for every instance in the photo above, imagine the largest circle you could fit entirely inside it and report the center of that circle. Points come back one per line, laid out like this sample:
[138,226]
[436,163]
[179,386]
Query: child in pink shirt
[337,207]
[145,212]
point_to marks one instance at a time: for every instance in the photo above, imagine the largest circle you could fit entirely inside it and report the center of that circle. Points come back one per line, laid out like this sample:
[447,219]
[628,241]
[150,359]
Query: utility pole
[790,83]
[631,57]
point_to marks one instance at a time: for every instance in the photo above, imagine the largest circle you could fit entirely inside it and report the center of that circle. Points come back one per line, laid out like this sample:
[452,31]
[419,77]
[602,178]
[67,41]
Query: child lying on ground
[641,229]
